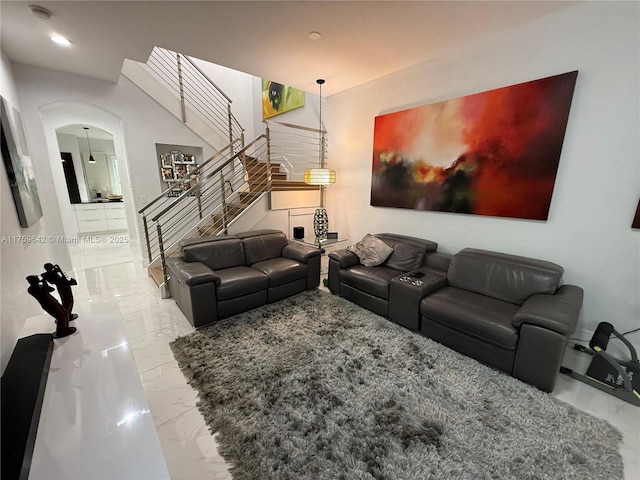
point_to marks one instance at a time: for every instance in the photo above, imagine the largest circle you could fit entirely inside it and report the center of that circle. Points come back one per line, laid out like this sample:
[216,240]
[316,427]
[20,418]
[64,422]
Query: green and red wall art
[492,153]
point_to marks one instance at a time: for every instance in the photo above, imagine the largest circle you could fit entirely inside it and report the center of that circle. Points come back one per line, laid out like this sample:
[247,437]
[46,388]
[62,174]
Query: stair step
[156,274]
[285,185]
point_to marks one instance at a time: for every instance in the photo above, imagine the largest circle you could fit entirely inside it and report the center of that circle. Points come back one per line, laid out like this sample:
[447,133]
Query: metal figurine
[41,291]
[56,276]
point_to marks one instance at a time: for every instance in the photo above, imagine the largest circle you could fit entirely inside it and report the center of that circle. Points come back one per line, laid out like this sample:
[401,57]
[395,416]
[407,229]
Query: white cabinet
[116,217]
[100,217]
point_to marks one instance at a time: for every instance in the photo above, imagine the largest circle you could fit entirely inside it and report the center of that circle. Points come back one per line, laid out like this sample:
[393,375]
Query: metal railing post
[199,195]
[165,277]
[230,121]
[224,202]
[181,83]
[268,170]
[146,236]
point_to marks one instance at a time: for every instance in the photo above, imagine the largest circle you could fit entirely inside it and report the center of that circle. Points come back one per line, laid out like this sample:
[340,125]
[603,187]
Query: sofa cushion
[372,280]
[281,270]
[215,252]
[238,281]
[371,251]
[263,247]
[406,255]
[506,277]
[476,315]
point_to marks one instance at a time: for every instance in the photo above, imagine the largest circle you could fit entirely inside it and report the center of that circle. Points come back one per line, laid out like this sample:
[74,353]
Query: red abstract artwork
[492,153]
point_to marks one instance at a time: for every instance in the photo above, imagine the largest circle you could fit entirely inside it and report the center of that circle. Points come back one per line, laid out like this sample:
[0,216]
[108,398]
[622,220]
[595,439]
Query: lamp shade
[319,176]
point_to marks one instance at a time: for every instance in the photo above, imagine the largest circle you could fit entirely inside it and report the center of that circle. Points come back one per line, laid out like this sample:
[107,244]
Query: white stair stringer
[140,75]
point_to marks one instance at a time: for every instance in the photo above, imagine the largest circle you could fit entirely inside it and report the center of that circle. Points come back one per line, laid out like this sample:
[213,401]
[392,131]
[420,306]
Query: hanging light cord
[91,159]
[320,81]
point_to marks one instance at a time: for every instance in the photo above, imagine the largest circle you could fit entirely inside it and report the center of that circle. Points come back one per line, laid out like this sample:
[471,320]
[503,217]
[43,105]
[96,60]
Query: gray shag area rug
[315,387]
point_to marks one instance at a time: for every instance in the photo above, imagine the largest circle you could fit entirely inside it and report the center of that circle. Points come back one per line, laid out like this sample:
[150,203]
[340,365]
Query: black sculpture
[41,291]
[56,276]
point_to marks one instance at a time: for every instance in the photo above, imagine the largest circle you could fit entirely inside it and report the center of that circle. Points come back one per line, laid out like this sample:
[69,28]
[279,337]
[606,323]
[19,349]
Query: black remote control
[417,274]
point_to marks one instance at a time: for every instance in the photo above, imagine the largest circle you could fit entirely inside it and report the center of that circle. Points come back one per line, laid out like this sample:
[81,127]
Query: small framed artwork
[636,218]
[165,160]
[167,173]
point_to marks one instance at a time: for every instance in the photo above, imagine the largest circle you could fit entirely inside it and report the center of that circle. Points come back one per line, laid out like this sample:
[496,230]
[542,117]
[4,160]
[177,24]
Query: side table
[407,291]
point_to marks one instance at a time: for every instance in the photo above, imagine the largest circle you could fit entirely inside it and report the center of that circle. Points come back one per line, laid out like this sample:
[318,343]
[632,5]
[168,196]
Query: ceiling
[361,40]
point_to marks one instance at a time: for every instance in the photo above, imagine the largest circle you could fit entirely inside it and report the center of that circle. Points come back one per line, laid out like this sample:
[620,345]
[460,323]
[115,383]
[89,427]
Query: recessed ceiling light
[60,40]
[314,35]
[40,12]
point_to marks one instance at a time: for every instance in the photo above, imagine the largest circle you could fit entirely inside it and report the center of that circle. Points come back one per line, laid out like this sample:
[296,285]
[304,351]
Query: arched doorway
[67,119]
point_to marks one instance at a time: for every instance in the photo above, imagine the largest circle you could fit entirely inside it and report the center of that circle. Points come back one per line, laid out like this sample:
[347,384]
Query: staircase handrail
[213,84]
[216,87]
[197,170]
[209,175]
[215,110]
[297,127]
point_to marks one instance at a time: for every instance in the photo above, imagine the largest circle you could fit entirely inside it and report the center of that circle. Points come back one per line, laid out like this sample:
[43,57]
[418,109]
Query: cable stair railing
[197,92]
[220,190]
[296,149]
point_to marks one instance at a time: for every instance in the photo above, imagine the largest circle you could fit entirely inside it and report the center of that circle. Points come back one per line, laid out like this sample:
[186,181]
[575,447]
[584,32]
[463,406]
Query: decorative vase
[320,224]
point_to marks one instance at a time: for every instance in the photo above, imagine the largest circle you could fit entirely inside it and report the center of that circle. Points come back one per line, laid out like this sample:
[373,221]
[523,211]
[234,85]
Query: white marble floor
[107,272]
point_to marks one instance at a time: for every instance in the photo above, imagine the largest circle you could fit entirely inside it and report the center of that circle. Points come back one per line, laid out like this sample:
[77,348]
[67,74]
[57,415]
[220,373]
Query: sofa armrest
[300,252]
[345,258]
[558,312]
[191,273]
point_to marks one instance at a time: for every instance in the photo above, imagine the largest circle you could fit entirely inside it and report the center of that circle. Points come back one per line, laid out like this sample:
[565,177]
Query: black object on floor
[620,378]
[23,386]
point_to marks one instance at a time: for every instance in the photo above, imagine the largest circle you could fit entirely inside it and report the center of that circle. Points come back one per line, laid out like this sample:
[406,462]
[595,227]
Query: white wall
[53,99]
[237,86]
[19,258]
[598,182]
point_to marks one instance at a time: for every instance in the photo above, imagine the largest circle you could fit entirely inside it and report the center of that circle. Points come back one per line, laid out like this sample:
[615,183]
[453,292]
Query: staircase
[236,179]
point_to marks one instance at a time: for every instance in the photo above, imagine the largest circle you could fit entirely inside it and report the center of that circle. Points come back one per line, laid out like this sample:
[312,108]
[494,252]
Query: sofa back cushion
[408,254]
[215,252]
[265,246]
[506,277]
[371,250]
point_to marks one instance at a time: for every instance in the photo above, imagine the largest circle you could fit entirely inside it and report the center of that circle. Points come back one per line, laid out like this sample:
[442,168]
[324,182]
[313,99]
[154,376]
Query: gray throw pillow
[371,250]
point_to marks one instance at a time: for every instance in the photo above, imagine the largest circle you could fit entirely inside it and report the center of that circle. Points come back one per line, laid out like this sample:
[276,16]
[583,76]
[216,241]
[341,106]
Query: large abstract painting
[492,153]
[278,98]
[15,154]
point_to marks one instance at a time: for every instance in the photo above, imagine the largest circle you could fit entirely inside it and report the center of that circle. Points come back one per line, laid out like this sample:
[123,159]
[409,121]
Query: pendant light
[91,159]
[320,176]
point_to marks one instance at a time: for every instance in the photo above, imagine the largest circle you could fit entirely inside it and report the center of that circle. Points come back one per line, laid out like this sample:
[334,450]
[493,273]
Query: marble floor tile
[153,318]
[152,350]
[190,450]
[168,393]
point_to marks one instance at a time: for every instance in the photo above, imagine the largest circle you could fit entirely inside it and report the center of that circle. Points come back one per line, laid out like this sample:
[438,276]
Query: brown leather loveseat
[217,277]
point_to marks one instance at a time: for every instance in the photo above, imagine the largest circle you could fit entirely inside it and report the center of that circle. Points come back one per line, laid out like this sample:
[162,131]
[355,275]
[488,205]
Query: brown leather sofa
[217,277]
[507,311]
